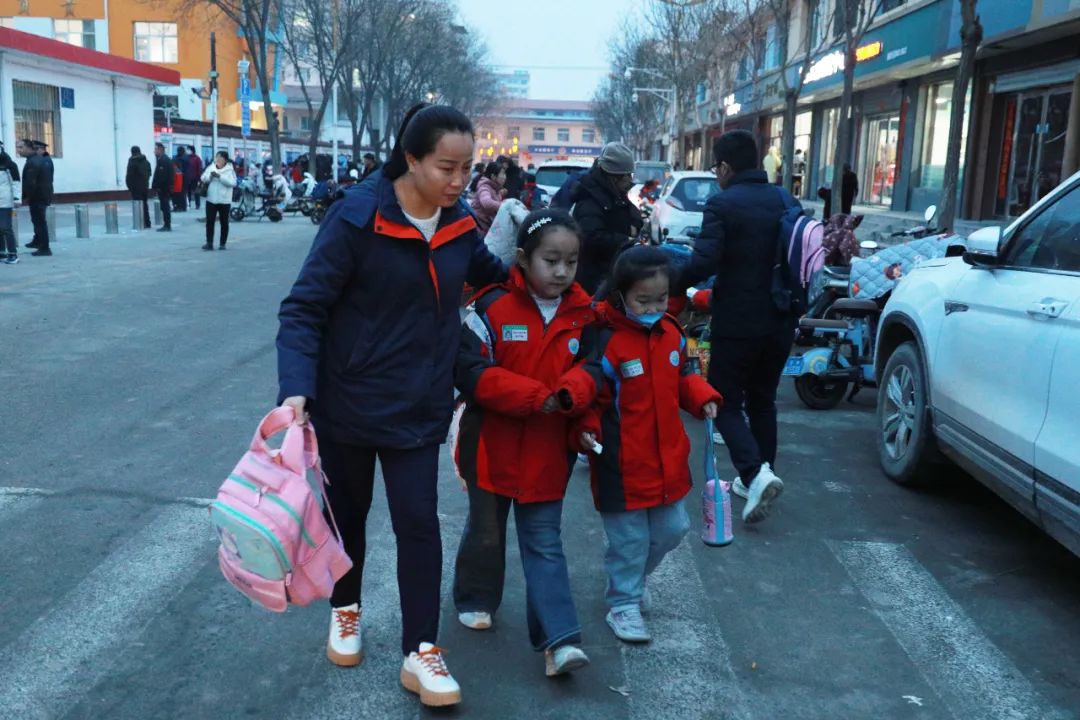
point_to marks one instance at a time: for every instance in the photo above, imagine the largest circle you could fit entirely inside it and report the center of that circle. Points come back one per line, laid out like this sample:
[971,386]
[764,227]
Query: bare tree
[321,39]
[971,34]
[853,18]
[258,20]
[619,114]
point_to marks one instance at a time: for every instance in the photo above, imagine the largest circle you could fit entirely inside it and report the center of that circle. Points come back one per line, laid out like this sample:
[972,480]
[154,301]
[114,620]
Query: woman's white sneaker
[475,620]
[563,660]
[737,488]
[425,674]
[345,647]
[763,491]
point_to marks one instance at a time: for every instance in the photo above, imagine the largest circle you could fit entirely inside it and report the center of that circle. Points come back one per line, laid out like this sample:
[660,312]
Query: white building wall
[94,151]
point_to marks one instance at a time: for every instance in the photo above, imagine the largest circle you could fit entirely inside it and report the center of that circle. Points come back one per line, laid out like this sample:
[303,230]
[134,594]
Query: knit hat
[617,159]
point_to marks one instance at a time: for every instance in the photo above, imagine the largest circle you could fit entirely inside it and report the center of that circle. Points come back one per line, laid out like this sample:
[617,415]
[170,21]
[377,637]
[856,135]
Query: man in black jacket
[751,338]
[37,192]
[609,221]
[162,185]
[138,181]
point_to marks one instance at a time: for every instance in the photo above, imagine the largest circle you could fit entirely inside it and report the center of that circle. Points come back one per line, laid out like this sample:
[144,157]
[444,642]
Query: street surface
[135,369]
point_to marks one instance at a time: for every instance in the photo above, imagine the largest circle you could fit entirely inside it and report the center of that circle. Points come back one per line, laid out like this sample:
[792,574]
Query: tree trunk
[259,61]
[787,141]
[843,136]
[971,35]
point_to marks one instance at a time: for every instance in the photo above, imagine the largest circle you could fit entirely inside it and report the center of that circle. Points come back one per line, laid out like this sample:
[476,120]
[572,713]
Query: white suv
[979,360]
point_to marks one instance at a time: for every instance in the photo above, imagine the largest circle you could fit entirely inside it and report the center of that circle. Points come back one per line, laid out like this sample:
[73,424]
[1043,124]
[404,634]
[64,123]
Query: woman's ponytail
[396,166]
[419,133]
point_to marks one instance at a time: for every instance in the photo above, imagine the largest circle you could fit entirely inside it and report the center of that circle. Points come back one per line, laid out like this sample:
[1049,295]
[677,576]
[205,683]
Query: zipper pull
[259,495]
[288,579]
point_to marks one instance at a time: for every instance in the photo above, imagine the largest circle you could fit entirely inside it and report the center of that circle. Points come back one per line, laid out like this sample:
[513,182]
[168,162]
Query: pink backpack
[276,546]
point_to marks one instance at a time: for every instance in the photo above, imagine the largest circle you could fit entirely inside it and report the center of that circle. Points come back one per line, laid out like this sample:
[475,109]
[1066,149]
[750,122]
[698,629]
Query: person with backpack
[751,333]
[367,342]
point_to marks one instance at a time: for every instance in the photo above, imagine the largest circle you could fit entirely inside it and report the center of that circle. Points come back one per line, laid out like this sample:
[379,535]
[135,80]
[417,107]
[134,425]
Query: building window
[588,135]
[513,133]
[563,134]
[887,5]
[935,136]
[75,32]
[773,50]
[155,42]
[305,122]
[37,114]
[815,15]
[538,134]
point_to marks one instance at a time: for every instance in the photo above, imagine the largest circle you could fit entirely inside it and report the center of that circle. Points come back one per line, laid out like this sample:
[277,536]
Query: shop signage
[899,52]
[731,108]
[563,150]
[833,63]
[867,52]
[245,98]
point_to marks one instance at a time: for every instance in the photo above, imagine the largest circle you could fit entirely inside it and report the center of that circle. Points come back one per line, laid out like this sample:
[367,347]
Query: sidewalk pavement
[878,222]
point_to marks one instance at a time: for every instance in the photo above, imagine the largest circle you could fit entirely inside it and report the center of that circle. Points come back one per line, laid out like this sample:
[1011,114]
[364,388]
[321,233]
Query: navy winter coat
[371,329]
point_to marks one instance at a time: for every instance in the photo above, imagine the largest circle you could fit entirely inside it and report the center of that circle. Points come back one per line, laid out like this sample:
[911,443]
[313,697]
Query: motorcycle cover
[878,274]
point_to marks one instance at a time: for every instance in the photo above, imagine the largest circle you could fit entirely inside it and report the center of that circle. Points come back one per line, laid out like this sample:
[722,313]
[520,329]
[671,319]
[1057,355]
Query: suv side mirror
[983,246]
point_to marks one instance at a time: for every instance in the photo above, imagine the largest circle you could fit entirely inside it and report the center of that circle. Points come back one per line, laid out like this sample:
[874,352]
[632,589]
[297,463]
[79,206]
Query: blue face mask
[646,320]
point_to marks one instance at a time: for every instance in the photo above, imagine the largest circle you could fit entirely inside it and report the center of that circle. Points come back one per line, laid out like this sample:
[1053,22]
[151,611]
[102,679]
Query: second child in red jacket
[643,474]
[516,369]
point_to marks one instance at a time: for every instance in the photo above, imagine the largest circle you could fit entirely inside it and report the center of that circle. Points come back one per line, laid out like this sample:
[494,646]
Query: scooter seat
[854,306]
[820,324]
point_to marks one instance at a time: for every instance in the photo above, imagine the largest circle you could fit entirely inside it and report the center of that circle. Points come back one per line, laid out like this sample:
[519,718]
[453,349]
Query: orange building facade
[158,33]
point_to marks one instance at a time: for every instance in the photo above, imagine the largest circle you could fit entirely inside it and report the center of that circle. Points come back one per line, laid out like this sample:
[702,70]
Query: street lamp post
[668,95]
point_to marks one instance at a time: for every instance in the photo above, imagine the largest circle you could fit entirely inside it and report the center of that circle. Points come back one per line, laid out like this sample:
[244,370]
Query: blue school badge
[674,358]
[575,345]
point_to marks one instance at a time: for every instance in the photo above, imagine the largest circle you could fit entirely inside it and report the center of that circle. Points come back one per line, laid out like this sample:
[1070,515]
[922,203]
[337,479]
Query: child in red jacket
[640,479]
[516,369]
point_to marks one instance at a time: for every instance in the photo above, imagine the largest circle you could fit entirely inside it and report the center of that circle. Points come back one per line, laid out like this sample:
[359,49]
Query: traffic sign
[245,99]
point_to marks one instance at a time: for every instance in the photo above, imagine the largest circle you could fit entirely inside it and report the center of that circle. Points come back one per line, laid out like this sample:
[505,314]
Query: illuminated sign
[731,108]
[867,52]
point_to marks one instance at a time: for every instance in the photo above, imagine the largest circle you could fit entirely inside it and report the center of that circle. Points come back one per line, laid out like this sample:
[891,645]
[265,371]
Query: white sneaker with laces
[628,625]
[763,491]
[425,674]
[475,620]
[737,488]
[563,660]
[345,647]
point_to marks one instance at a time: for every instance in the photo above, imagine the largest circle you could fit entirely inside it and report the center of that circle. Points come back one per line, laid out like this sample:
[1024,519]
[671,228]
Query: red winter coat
[508,365]
[646,451]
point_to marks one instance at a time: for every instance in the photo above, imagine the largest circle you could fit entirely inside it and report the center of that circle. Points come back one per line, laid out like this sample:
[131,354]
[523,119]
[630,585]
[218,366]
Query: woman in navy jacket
[367,343]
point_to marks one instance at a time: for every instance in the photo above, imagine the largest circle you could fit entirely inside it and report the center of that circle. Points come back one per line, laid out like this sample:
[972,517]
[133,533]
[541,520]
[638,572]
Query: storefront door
[878,173]
[1034,151]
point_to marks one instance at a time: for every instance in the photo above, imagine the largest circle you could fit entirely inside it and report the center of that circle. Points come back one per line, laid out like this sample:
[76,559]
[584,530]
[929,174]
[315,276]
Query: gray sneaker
[628,625]
[563,660]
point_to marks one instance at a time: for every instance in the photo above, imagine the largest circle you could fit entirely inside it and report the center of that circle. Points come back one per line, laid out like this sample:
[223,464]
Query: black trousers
[165,199]
[192,187]
[220,212]
[480,567]
[41,226]
[747,371]
[411,478]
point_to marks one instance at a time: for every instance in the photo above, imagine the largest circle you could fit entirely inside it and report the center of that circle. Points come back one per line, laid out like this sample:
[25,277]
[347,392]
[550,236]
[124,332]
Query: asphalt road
[134,370]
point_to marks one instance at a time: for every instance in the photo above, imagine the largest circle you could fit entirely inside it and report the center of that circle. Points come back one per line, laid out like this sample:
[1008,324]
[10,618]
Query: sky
[562,43]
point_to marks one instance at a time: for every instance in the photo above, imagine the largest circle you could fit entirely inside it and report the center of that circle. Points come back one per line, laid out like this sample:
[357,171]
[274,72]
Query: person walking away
[162,184]
[192,174]
[10,196]
[515,179]
[37,192]
[220,178]
[798,168]
[138,181]
[489,196]
[849,188]
[521,389]
[371,164]
[751,337]
[608,219]
[180,163]
[367,342]
[640,481]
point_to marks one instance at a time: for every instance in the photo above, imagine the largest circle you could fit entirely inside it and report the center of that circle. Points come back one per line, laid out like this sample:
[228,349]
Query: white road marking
[971,676]
[685,671]
[64,652]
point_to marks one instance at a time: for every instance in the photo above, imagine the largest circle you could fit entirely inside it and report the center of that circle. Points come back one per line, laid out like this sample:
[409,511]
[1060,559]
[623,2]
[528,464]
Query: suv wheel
[905,445]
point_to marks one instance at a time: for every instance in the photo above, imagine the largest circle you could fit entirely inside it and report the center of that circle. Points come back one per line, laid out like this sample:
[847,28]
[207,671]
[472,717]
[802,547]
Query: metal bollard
[158,217]
[112,219]
[82,221]
[137,215]
[50,222]
[15,224]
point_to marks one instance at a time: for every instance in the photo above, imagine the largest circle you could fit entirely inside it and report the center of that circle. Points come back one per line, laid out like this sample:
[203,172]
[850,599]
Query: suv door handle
[1047,308]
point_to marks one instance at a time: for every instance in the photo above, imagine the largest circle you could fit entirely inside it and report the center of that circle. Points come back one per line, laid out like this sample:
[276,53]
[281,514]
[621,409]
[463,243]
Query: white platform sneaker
[762,493]
[425,674]
[475,620]
[345,647]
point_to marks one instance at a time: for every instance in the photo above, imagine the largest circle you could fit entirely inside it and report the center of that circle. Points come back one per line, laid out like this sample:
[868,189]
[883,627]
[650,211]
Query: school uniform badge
[515,333]
[632,368]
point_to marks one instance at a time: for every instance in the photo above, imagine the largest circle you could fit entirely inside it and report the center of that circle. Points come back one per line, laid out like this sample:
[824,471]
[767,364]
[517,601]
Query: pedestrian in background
[180,163]
[608,219]
[220,179]
[37,192]
[641,478]
[849,188]
[138,181]
[10,196]
[751,336]
[192,173]
[522,389]
[371,164]
[371,355]
[162,184]
[489,195]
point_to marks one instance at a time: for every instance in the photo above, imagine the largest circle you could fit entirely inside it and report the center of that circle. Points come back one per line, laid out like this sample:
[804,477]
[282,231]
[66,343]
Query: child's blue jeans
[637,541]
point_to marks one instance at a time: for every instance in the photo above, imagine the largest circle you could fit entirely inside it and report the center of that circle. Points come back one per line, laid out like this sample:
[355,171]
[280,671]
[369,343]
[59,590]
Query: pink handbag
[276,546]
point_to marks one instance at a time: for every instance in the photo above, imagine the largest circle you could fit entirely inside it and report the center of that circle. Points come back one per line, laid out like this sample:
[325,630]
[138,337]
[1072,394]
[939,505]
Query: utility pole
[333,108]
[213,93]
